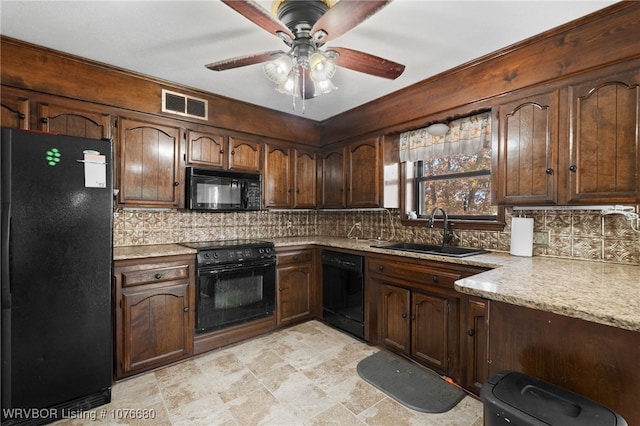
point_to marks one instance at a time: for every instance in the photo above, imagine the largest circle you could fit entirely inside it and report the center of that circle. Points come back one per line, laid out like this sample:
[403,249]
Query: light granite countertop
[604,293]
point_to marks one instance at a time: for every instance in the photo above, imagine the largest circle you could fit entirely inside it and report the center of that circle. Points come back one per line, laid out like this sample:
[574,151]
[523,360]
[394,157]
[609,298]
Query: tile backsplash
[578,234]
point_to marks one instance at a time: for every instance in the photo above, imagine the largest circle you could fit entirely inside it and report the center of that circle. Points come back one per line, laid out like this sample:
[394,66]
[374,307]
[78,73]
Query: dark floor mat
[409,384]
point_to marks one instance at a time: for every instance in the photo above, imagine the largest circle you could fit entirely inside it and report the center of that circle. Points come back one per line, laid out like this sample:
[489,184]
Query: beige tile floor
[303,375]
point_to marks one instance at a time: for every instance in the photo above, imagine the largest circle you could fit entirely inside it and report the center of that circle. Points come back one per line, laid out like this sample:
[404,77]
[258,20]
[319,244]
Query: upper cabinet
[577,144]
[206,149]
[277,177]
[527,151]
[15,110]
[150,170]
[363,174]
[73,118]
[211,149]
[603,141]
[304,179]
[289,177]
[244,155]
[351,176]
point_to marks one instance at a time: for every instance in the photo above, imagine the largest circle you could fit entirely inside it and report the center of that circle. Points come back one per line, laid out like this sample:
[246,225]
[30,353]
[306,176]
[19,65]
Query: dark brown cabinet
[475,340]
[206,149]
[296,296]
[363,174]
[304,174]
[277,178]
[576,144]
[603,140]
[73,118]
[527,154]
[411,307]
[244,155]
[150,168]
[154,315]
[331,176]
[14,110]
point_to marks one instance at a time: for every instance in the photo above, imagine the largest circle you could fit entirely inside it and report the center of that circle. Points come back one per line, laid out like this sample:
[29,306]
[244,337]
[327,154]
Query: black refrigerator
[57,215]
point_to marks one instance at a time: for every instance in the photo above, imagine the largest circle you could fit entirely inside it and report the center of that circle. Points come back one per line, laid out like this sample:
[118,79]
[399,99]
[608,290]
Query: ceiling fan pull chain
[303,91]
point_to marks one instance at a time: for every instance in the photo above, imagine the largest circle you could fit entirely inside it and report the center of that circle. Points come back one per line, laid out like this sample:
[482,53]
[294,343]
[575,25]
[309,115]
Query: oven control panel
[234,255]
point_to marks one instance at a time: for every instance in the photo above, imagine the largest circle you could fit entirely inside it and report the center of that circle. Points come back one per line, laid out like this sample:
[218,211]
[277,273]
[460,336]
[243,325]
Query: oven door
[232,294]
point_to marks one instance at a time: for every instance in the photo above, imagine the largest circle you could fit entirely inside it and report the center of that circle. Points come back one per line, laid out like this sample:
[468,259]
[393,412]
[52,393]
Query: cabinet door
[363,174]
[396,318]
[476,335]
[430,330]
[15,111]
[294,292]
[305,183]
[205,149]
[528,150]
[149,164]
[244,155]
[71,119]
[155,326]
[332,185]
[277,177]
[604,141]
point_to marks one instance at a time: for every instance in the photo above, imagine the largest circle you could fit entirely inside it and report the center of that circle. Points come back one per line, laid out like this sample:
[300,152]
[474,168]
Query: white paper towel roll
[521,236]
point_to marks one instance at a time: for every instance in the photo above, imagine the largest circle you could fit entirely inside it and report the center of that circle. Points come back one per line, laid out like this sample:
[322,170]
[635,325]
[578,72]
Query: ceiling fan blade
[242,61]
[366,63]
[344,16]
[259,16]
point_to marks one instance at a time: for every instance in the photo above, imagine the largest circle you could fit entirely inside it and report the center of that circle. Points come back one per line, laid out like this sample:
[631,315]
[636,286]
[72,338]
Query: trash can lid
[551,404]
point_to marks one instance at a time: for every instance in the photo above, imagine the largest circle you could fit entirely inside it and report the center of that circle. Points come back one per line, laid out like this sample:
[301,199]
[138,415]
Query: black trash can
[515,399]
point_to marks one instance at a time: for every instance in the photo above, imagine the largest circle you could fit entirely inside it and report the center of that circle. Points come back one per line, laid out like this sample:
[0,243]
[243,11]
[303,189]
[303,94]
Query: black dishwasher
[343,291]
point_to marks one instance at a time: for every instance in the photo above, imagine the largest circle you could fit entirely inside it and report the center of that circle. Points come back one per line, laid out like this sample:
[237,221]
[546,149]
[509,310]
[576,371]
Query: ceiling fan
[305,70]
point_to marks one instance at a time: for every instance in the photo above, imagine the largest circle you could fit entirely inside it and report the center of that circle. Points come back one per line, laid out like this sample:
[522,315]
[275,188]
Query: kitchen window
[452,171]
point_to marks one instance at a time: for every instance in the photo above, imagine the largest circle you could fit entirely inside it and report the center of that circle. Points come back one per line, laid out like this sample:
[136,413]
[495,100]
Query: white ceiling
[173,40]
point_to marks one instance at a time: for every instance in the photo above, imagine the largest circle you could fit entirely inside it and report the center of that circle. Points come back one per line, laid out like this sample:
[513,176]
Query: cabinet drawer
[155,275]
[416,273]
[294,257]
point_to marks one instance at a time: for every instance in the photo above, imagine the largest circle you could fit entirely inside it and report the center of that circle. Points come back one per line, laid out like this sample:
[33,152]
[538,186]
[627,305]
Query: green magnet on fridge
[53,156]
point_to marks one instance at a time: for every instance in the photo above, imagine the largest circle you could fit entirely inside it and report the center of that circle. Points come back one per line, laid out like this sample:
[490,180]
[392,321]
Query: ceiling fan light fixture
[321,68]
[279,69]
[290,85]
[323,87]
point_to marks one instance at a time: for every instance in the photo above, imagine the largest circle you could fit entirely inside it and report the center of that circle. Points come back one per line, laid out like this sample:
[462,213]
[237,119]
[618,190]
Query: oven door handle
[236,267]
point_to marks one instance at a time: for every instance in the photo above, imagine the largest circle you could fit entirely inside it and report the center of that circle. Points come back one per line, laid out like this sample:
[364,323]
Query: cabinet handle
[471,332]
[44,120]
[549,171]
[157,276]
[279,288]
[233,153]
[222,151]
[413,317]
[404,315]
[176,183]
[186,309]
[295,257]
[435,278]
[297,191]
[573,168]
[380,268]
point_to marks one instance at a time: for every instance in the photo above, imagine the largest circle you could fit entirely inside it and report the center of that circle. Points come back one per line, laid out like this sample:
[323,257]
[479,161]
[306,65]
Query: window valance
[466,136]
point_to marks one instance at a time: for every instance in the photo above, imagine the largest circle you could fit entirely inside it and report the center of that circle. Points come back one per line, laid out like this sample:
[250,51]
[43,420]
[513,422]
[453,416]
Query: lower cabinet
[475,342]
[154,312]
[296,295]
[413,309]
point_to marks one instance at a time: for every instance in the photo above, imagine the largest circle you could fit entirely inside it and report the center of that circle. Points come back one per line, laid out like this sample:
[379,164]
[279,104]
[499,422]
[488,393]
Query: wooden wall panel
[108,85]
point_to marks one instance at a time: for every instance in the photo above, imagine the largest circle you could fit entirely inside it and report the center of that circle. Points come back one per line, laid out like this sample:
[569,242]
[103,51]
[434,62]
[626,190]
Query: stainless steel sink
[433,249]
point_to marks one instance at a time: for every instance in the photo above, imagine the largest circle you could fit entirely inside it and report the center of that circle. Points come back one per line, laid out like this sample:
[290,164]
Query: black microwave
[223,190]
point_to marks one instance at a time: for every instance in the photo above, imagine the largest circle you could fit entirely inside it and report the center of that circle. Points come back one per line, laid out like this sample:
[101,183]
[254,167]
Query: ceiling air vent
[187,106]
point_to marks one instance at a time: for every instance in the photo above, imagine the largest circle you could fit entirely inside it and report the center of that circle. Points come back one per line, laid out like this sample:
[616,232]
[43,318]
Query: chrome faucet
[447,235]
